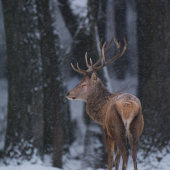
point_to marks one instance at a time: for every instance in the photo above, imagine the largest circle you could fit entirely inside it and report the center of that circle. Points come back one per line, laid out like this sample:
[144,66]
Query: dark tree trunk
[24,137]
[131,51]
[3,56]
[121,33]
[70,19]
[54,91]
[47,47]
[154,72]
[101,20]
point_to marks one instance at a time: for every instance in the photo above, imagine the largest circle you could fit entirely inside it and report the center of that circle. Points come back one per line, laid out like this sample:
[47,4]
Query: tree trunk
[3,56]
[154,72]
[70,19]
[101,19]
[24,137]
[131,51]
[121,33]
[47,46]
[55,105]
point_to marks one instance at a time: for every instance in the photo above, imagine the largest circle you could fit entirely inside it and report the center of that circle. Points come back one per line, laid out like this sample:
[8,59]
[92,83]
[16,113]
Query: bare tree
[55,106]
[121,32]
[24,137]
[154,72]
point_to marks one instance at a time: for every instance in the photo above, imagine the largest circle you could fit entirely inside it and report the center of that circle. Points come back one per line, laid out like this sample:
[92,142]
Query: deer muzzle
[69,97]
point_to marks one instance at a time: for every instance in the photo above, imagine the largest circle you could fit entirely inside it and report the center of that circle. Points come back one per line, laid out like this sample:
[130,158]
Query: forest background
[39,40]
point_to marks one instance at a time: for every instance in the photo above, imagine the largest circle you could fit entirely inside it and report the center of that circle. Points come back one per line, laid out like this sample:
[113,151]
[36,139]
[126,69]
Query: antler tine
[91,62]
[109,44]
[103,50]
[118,55]
[78,67]
[87,64]
[78,70]
[117,44]
[101,57]
[125,45]
[100,53]
[83,71]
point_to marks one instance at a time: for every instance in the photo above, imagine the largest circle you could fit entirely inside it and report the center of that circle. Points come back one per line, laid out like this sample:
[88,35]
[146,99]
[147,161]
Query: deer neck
[96,103]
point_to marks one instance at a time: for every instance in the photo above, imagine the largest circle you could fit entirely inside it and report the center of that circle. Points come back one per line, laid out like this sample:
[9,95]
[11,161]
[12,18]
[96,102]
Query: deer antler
[78,70]
[102,57]
[118,54]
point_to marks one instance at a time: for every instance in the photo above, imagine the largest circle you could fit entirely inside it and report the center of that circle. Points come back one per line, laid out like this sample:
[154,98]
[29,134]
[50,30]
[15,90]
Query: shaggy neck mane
[101,93]
[96,101]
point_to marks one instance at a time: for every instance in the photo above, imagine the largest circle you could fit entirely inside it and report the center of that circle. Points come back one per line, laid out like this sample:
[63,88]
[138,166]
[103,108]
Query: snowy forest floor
[73,164]
[129,85]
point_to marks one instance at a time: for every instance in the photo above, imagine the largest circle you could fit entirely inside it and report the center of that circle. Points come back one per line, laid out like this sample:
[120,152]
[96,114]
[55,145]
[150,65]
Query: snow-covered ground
[76,165]
[27,167]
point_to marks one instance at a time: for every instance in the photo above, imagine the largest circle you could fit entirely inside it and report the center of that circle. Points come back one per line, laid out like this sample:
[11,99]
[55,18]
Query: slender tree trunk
[131,51]
[101,20]
[55,108]
[70,19]
[121,33]
[154,72]
[24,137]
[3,56]
[47,47]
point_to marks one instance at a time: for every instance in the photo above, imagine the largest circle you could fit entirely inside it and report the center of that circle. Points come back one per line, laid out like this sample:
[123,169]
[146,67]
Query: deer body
[120,114]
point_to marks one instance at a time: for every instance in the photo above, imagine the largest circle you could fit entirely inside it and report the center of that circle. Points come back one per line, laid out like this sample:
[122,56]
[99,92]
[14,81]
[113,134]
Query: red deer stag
[120,114]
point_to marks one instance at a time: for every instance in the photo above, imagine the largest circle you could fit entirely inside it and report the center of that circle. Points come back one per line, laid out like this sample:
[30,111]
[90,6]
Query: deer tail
[128,110]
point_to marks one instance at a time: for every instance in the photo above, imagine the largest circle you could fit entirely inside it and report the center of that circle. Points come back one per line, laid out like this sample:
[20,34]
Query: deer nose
[68,94]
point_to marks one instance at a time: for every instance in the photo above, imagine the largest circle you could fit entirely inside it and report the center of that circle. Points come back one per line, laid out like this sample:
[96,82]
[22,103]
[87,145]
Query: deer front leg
[110,146]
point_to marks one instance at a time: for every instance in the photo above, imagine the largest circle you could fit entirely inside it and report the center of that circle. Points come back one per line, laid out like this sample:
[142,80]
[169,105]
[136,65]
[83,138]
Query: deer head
[90,81]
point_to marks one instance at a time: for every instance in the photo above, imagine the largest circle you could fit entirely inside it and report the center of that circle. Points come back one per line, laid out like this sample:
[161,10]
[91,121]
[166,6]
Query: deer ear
[94,76]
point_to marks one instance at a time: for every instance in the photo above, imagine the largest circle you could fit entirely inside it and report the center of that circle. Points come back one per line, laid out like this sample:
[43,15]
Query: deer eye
[83,85]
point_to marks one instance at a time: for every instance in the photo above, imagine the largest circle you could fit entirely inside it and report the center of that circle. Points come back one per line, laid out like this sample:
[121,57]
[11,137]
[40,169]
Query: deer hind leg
[133,141]
[133,138]
[125,157]
[134,155]
[117,159]
[122,145]
[110,145]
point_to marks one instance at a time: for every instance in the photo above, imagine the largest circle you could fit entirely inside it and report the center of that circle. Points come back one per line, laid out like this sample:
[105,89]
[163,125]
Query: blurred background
[39,40]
